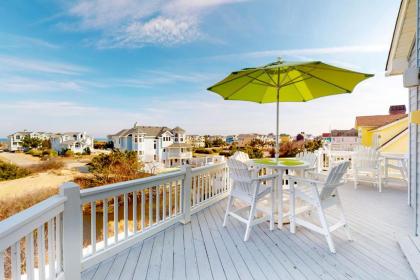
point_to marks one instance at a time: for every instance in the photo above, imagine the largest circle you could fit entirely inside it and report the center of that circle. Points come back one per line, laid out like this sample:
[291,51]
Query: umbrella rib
[241,87]
[325,81]
[337,70]
[222,83]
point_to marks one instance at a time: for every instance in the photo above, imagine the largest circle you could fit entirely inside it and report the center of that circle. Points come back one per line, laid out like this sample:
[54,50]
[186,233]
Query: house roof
[402,38]
[179,145]
[378,120]
[154,131]
[344,132]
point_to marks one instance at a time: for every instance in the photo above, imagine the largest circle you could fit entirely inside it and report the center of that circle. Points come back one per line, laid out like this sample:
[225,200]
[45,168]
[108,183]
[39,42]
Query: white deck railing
[85,227]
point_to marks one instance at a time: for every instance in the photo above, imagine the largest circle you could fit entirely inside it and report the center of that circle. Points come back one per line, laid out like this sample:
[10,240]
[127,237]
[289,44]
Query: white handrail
[156,203]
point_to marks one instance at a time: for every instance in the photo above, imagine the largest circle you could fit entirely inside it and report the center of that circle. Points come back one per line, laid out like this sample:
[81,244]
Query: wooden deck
[204,249]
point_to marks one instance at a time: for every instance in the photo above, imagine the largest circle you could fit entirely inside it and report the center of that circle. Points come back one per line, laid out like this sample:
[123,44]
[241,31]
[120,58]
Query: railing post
[186,199]
[72,232]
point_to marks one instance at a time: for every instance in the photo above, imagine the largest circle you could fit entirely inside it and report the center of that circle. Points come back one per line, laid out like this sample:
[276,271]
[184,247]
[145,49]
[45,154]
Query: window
[135,139]
[182,150]
[154,157]
[154,146]
[17,137]
[164,150]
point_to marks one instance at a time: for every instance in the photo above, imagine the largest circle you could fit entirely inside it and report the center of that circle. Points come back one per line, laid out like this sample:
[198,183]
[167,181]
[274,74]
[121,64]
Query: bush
[9,171]
[68,153]
[112,168]
[203,151]
[34,152]
[51,164]
[225,153]
[87,151]
[49,153]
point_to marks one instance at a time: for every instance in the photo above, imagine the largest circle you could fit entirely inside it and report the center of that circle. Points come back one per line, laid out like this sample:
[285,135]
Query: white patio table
[280,166]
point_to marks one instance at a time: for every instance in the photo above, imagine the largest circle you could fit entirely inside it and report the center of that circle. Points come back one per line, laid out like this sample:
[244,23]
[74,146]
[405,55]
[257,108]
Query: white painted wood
[320,195]
[58,244]
[41,253]
[156,257]
[167,260]
[93,226]
[143,209]
[203,264]
[140,272]
[117,265]
[249,189]
[179,271]
[29,256]
[105,222]
[1,265]
[72,229]
[191,265]
[130,265]
[15,261]
[51,253]
[186,194]
[366,165]
[134,212]
[116,219]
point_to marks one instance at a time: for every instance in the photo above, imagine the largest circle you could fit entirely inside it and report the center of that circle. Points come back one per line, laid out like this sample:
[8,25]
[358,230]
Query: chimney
[397,109]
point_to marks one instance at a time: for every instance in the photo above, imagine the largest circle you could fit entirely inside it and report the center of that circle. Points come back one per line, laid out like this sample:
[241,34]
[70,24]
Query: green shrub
[87,151]
[225,153]
[9,171]
[34,152]
[68,153]
[203,151]
[49,153]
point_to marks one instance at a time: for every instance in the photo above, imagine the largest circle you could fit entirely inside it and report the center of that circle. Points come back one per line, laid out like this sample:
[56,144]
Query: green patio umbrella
[287,82]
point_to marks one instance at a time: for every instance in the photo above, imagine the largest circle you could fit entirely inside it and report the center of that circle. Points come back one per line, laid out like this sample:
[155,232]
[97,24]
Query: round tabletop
[280,163]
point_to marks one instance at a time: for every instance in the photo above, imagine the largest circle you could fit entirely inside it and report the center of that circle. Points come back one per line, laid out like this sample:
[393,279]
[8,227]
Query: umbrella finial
[280,60]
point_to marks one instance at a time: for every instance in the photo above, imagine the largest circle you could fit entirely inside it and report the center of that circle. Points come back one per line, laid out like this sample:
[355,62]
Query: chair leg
[343,218]
[292,206]
[250,220]
[379,181]
[324,225]
[229,205]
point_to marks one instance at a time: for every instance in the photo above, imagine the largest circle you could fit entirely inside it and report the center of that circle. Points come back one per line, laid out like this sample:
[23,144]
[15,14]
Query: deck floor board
[203,249]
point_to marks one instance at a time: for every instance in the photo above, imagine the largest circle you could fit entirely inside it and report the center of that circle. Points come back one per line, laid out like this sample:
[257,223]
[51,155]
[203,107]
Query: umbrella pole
[277,125]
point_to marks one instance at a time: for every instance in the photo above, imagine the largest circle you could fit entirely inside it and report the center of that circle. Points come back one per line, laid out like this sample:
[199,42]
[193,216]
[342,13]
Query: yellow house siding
[399,146]
[389,131]
[365,135]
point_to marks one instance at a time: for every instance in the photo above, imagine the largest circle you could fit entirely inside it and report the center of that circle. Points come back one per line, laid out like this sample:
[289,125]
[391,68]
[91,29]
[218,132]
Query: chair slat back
[241,175]
[365,158]
[334,178]
[309,157]
[241,156]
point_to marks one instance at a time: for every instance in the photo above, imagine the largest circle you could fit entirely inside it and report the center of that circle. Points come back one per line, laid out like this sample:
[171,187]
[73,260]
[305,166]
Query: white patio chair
[319,195]
[366,166]
[249,188]
[310,158]
[241,156]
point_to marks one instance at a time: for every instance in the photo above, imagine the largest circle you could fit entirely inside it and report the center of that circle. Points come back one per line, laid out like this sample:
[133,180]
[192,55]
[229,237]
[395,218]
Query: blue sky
[99,66]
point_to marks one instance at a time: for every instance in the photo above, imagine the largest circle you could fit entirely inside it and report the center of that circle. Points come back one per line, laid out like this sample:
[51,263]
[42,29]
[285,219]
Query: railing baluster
[143,209]
[51,261]
[134,212]
[93,226]
[29,256]
[15,262]
[202,188]
[150,206]
[58,248]
[41,252]
[176,197]
[105,222]
[157,203]
[116,219]
[193,191]
[125,215]
[170,198]
[164,203]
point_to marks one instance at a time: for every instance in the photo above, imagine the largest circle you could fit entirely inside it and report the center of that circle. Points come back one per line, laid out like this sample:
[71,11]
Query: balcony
[169,227]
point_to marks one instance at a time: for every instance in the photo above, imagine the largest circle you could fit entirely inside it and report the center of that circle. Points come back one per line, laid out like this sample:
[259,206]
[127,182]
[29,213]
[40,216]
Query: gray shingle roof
[154,131]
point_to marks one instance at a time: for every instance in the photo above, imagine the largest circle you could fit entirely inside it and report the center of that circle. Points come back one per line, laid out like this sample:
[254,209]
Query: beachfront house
[343,139]
[387,133]
[403,59]
[14,141]
[197,141]
[78,142]
[155,144]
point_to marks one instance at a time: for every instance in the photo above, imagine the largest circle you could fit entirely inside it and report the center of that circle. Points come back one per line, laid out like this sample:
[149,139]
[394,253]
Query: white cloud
[17,41]
[132,24]
[33,85]
[11,63]
[301,53]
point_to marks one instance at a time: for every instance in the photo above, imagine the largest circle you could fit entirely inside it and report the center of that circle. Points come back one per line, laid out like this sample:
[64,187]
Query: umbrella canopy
[287,82]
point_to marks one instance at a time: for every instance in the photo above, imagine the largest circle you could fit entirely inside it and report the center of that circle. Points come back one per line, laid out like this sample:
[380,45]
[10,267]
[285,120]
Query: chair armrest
[265,177]
[303,180]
